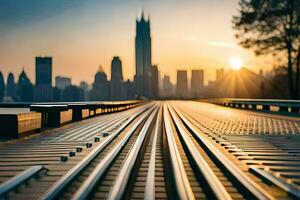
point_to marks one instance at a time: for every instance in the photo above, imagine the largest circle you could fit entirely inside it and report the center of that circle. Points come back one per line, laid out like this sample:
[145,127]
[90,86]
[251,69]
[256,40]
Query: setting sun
[236,63]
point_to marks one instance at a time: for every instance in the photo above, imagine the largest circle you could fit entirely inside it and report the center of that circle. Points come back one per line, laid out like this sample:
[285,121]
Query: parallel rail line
[158,151]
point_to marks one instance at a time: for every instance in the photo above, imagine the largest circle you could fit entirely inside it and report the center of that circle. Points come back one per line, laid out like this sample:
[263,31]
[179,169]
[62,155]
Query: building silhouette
[143,57]
[100,89]
[43,91]
[167,87]
[197,83]
[154,81]
[220,74]
[84,86]
[72,93]
[25,88]
[62,82]
[2,87]
[182,84]
[11,86]
[116,82]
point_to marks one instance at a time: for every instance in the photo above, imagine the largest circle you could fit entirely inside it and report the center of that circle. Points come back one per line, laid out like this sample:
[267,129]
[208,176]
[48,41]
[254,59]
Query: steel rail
[104,126]
[288,187]
[214,183]
[88,128]
[19,179]
[89,184]
[58,187]
[253,188]
[150,180]
[183,187]
[118,189]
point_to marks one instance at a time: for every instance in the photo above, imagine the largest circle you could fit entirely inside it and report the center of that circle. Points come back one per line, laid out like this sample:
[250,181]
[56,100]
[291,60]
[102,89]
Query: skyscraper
[167,87]
[25,88]
[62,82]
[2,87]
[197,83]
[100,89]
[43,91]
[11,87]
[43,71]
[154,81]
[143,56]
[182,84]
[116,84]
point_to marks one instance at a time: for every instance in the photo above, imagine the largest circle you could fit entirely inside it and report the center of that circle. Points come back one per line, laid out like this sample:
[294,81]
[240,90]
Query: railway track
[156,151]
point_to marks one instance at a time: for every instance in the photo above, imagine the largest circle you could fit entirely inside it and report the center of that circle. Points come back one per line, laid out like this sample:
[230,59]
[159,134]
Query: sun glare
[236,63]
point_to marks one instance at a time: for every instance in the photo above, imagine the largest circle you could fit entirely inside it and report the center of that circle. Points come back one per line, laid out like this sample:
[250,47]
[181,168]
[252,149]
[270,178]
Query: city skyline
[69,60]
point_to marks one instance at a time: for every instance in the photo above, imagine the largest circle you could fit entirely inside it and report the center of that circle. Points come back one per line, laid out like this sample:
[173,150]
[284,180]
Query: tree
[272,27]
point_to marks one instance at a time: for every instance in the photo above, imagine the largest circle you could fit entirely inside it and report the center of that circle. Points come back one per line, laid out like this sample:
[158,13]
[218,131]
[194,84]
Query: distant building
[116,83]
[62,82]
[2,87]
[130,89]
[167,87]
[85,89]
[25,88]
[154,81]
[11,86]
[220,74]
[43,91]
[72,93]
[43,71]
[143,57]
[182,84]
[197,83]
[100,89]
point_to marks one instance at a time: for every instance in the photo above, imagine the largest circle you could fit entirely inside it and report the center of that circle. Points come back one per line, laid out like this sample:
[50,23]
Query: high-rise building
[84,86]
[25,88]
[154,81]
[72,93]
[2,87]
[197,83]
[62,82]
[100,89]
[43,91]
[11,86]
[167,87]
[143,56]
[116,84]
[182,84]
[220,74]
[43,71]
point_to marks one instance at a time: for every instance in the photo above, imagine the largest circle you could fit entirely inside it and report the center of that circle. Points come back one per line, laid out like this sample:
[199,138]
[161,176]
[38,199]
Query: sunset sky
[80,35]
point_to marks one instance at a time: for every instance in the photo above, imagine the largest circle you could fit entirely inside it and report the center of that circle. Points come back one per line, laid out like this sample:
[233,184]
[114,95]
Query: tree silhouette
[272,27]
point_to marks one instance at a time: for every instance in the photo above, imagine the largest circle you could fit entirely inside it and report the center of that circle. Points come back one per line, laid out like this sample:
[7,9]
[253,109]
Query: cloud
[210,43]
[221,44]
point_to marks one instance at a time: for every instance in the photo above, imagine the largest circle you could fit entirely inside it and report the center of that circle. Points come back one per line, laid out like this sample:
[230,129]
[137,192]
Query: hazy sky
[80,35]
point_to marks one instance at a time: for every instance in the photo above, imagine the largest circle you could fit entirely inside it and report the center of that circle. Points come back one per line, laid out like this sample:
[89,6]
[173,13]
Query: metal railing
[272,105]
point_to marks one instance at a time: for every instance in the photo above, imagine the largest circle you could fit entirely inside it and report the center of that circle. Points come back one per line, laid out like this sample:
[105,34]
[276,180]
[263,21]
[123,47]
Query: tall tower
[116,79]
[43,91]
[143,56]
[197,83]
[182,84]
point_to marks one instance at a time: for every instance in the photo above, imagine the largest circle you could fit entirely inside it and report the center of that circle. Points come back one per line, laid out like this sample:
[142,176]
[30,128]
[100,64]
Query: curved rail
[19,179]
[58,187]
[183,187]
[118,189]
[150,181]
[202,166]
[86,188]
[253,188]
